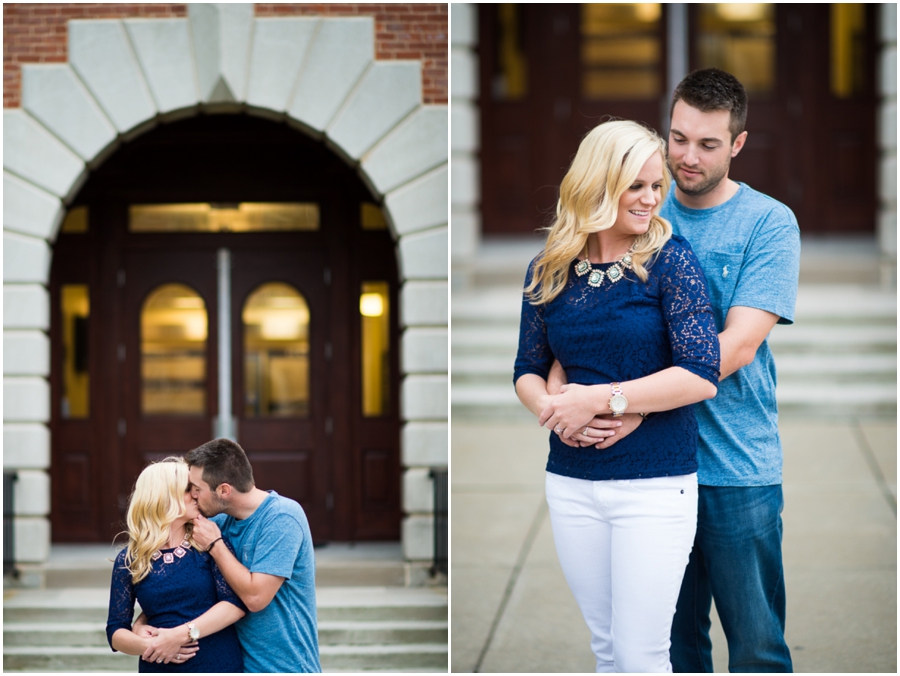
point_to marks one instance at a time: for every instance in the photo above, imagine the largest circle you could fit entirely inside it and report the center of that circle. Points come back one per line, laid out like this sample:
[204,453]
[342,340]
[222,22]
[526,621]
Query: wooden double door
[287,382]
[172,384]
[226,275]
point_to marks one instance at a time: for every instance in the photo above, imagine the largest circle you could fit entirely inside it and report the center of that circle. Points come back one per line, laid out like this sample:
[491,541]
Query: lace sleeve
[689,317]
[121,599]
[224,592]
[534,355]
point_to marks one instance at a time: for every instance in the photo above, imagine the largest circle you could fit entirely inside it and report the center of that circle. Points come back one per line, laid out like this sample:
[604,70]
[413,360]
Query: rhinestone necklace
[614,274]
[169,557]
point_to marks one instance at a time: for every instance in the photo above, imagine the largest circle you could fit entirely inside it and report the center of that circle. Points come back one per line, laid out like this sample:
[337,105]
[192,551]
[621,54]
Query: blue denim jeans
[736,560]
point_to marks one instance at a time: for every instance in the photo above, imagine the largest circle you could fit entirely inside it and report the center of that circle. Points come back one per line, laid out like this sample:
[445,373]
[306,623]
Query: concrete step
[360,628]
[82,634]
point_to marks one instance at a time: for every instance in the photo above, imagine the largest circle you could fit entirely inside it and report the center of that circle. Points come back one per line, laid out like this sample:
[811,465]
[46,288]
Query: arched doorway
[238,228]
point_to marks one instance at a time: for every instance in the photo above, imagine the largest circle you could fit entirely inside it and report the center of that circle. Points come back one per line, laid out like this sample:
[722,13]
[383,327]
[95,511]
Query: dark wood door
[168,395]
[551,72]
[288,443]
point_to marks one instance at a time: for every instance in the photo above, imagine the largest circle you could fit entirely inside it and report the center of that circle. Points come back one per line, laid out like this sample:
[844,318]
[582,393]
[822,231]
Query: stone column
[464,116]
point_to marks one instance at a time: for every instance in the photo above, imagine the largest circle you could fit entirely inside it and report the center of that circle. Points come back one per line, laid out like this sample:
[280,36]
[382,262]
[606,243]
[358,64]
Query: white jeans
[623,547]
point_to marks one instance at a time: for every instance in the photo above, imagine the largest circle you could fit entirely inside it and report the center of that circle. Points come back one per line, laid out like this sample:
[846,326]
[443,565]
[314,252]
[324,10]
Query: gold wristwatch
[617,402]
[193,632]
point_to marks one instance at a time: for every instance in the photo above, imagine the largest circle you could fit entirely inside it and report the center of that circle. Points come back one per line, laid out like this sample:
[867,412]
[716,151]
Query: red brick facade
[36,33]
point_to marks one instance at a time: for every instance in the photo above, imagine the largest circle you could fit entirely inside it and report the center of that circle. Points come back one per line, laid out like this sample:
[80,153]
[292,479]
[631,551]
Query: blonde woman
[623,306]
[180,590]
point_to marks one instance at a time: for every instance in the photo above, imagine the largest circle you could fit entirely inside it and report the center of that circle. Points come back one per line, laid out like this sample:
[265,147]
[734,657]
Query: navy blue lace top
[173,594]
[617,332]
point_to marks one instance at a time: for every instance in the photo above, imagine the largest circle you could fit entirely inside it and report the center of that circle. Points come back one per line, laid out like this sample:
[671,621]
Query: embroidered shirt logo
[725,271]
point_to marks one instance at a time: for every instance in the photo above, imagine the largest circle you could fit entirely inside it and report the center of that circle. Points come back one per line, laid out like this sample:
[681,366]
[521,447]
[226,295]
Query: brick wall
[36,33]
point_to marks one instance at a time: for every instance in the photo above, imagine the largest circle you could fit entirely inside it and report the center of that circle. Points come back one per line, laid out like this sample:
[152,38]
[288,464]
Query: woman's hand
[601,429]
[569,412]
[169,646]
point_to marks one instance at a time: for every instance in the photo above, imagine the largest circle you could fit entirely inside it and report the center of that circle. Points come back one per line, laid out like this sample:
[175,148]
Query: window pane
[76,221]
[173,352]
[620,51]
[510,78]
[371,217]
[276,353]
[76,310]
[740,38]
[848,45]
[374,308]
[220,217]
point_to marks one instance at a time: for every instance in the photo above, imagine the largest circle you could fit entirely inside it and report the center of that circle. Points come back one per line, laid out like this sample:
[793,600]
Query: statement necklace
[614,274]
[169,557]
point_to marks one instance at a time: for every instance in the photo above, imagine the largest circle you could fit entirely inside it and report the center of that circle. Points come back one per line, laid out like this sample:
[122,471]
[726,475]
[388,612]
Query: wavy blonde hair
[608,161]
[157,500]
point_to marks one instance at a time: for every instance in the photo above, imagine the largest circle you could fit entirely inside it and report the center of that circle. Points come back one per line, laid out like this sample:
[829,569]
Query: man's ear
[738,144]
[224,491]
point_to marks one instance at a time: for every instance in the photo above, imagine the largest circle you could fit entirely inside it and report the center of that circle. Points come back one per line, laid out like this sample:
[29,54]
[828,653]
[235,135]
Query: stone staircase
[838,358]
[367,621]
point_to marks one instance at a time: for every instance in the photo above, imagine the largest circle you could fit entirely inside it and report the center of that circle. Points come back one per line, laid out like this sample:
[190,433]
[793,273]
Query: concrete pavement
[513,612]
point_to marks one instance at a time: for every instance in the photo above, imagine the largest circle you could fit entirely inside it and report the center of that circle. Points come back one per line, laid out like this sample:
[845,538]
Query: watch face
[618,403]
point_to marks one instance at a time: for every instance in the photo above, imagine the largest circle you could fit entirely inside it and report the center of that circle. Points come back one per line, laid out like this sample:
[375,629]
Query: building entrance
[226,276]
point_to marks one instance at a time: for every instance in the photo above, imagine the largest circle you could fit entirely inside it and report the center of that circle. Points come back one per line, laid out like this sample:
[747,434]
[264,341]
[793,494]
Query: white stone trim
[26,446]
[29,210]
[26,353]
[279,48]
[26,306]
[34,154]
[125,77]
[426,444]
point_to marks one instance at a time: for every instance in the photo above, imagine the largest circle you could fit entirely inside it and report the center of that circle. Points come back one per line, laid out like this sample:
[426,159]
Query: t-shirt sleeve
[224,592]
[688,313]
[277,547]
[121,599]
[771,267]
[534,355]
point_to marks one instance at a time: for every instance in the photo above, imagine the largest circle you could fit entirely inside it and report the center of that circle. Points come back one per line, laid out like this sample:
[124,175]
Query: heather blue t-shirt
[749,249]
[275,540]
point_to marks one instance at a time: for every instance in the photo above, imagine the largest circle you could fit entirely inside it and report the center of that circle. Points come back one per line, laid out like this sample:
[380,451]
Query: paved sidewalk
[513,612]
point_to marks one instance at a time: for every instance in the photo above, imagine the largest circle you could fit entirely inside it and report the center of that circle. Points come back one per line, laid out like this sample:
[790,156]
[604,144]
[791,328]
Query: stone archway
[318,74]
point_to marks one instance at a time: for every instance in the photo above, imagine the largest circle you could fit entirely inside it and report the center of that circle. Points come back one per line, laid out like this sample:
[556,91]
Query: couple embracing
[224,572]
[648,299]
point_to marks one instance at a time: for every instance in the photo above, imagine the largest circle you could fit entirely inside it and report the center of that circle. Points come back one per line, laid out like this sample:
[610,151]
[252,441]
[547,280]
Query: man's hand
[556,378]
[205,532]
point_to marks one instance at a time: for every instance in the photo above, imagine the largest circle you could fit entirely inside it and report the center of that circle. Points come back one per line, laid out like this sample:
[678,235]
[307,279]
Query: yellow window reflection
[276,352]
[740,38]
[76,221]
[173,352]
[224,217]
[848,49]
[621,50]
[76,310]
[374,308]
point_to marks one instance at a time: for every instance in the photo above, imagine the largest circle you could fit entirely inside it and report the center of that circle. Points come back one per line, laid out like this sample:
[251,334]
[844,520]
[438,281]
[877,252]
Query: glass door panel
[740,38]
[276,353]
[76,310]
[173,352]
[375,327]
